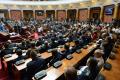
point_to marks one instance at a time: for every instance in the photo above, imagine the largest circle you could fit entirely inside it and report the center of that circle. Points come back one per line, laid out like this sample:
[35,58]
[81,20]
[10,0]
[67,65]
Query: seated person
[35,65]
[11,45]
[25,44]
[45,46]
[20,57]
[67,50]
[98,56]
[78,44]
[39,42]
[61,40]
[6,50]
[85,38]
[53,43]
[71,74]
[90,71]
[107,47]
[33,48]
[56,56]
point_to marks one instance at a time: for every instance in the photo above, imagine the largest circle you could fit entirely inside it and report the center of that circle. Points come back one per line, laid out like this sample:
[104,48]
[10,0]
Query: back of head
[6,45]
[66,46]
[32,44]
[19,52]
[33,54]
[70,73]
[23,42]
[54,52]
[92,63]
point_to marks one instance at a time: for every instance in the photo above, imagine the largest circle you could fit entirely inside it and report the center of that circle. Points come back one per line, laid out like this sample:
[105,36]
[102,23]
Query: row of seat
[114,72]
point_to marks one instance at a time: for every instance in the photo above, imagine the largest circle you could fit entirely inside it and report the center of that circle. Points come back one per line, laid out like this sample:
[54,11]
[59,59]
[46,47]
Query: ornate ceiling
[56,5]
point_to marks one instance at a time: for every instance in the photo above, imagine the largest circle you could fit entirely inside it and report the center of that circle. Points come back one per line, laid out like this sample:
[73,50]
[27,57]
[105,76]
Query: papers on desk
[24,52]
[61,46]
[8,55]
[12,34]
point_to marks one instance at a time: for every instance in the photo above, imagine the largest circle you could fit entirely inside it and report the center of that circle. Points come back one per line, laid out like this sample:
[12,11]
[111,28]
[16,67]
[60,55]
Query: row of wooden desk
[114,73]
[44,55]
[55,73]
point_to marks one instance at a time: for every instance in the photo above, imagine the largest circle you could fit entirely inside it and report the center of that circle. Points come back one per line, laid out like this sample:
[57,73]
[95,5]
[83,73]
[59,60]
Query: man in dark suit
[33,48]
[56,56]
[35,65]
[6,50]
[20,57]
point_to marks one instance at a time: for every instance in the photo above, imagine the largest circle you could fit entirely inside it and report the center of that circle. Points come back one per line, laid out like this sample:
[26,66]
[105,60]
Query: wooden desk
[14,56]
[44,55]
[114,73]
[54,73]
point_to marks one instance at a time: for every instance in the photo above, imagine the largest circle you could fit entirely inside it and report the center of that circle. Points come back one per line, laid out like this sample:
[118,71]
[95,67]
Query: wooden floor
[114,73]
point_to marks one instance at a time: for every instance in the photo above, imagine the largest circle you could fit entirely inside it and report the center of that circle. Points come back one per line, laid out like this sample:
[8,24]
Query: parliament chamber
[59,39]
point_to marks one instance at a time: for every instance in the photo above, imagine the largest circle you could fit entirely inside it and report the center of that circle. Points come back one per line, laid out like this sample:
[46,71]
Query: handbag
[107,66]
[100,77]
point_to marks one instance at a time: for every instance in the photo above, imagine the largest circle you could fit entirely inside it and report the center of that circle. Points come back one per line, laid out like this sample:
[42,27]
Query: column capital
[33,10]
[88,8]
[101,6]
[116,4]
[8,9]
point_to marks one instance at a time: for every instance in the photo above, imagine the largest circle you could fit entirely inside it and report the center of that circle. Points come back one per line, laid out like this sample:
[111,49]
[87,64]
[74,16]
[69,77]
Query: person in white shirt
[40,29]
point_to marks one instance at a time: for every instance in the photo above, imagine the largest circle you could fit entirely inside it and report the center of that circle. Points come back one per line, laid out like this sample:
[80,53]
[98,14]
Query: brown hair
[70,73]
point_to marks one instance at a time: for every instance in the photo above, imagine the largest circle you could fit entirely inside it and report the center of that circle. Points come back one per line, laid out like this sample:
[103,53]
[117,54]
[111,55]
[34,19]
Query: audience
[49,34]
[90,71]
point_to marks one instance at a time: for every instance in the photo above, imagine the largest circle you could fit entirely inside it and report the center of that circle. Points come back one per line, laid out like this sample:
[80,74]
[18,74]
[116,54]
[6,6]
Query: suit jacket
[34,66]
[29,51]
[56,58]
[6,51]
[18,59]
